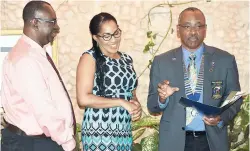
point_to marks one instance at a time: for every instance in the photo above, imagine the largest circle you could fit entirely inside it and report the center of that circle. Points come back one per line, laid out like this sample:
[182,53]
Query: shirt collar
[34,44]
[197,52]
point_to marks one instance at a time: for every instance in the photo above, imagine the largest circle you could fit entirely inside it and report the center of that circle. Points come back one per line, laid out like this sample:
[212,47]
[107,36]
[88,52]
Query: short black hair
[31,8]
[193,9]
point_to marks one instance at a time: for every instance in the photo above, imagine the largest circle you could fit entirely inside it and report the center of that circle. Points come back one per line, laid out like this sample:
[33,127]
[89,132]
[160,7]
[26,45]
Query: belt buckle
[194,134]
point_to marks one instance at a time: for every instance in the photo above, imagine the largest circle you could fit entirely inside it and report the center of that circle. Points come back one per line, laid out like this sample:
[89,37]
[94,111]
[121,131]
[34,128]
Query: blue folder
[209,110]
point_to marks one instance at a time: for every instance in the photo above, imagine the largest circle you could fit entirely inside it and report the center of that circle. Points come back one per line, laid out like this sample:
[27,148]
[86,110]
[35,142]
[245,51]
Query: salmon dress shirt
[32,95]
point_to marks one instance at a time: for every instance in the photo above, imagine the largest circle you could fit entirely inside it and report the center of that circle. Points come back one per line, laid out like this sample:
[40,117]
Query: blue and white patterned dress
[109,129]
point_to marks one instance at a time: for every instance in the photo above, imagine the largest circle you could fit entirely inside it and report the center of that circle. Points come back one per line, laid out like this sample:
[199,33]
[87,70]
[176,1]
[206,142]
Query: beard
[193,45]
[193,42]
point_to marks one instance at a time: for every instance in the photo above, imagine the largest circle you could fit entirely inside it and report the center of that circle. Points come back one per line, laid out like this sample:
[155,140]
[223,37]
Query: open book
[209,110]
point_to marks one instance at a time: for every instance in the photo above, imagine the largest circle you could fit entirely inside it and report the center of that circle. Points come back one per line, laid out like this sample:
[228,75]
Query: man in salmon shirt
[38,110]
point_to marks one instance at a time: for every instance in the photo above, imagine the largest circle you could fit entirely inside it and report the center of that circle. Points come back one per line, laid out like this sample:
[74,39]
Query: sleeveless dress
[109,129]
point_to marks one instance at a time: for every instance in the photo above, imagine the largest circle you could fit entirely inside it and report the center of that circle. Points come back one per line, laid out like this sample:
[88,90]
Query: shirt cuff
[69,145]
[163,105]
[220,124]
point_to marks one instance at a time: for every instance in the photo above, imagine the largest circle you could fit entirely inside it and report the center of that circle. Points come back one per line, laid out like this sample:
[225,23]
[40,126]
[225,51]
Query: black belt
[19,132]
[196,133]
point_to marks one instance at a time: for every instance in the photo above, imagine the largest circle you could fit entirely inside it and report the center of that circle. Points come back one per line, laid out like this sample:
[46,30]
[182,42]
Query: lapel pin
[212,68]
[213,63]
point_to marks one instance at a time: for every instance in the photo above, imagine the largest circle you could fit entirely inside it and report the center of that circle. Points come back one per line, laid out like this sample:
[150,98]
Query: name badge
[216,89]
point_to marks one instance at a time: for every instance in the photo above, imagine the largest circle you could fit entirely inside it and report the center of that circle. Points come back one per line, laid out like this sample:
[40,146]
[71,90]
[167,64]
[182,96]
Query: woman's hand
[136,115]
[130,107]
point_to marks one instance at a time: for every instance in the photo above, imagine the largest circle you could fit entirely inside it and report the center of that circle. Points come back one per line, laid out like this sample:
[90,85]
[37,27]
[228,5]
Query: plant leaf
[154,36]
[240,126]
[151,43]
[78,127]
[146,121]
[136,147]
[149,34]
[172,31]
[246,133]
[146,49]
[150,63]
[138,133]
[150,143]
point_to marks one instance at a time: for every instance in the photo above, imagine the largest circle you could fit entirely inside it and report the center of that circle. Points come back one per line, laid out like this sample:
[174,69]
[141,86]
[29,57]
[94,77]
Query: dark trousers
[13,142]
[196,143]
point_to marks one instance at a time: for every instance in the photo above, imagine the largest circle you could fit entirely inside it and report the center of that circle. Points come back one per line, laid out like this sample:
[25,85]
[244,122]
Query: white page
[232,97]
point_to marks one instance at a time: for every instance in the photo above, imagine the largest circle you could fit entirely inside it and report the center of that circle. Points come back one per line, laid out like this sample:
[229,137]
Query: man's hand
[212,121]
[165,90]
[136,115]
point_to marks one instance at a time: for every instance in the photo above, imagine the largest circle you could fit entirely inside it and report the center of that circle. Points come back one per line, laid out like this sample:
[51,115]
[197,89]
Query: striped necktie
[192,72]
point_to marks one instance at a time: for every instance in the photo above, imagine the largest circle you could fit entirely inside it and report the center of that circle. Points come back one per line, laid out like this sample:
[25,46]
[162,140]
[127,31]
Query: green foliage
[149,34]
[78,135]
[137,147]
[146,121]
[138,133]
[151,42]
[150,143]
[239,128]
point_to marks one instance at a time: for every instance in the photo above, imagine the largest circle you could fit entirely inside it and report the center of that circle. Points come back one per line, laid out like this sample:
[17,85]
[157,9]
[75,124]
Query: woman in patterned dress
[106,85]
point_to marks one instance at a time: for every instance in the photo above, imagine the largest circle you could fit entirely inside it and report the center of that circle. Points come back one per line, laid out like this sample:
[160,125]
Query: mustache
[194,36]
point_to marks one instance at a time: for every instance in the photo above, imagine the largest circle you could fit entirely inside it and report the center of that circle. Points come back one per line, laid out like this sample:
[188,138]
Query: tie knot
[192,56]
[47,55]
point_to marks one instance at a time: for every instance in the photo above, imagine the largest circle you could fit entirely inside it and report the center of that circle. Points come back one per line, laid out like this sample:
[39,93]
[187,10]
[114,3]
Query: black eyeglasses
[108,36]
[196,27]
[52,21]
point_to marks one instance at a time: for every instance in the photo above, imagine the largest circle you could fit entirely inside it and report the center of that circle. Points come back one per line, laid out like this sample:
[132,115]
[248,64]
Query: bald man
[201,73]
